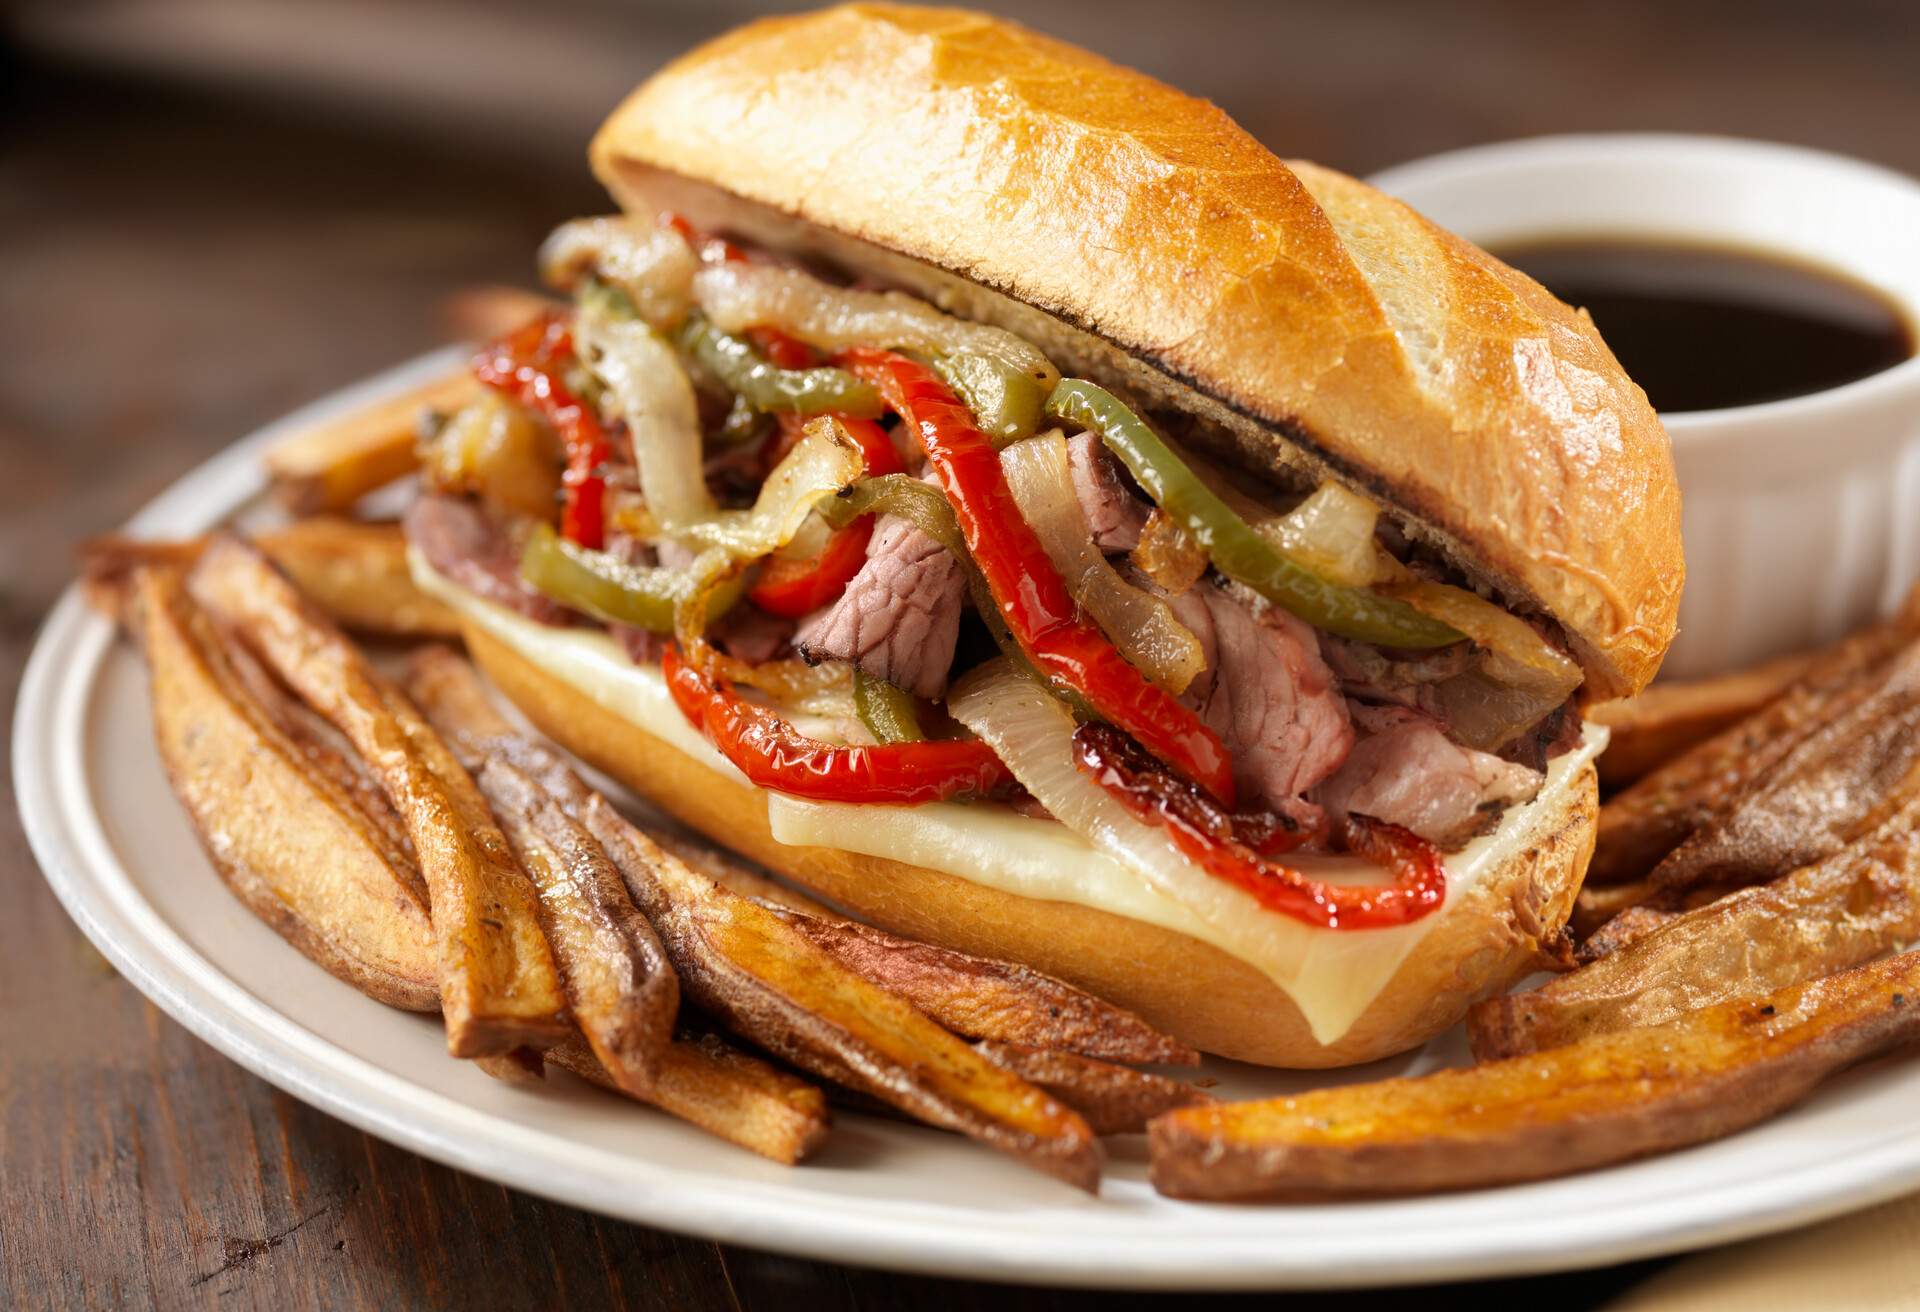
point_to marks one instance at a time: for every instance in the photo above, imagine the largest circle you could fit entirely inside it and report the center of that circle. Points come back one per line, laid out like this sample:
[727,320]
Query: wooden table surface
[183,264]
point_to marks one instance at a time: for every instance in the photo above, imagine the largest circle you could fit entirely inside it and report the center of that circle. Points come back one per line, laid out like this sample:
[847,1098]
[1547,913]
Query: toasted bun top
[1312,325]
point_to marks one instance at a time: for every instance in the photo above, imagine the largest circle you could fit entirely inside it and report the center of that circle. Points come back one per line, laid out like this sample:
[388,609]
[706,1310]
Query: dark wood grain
[181,265]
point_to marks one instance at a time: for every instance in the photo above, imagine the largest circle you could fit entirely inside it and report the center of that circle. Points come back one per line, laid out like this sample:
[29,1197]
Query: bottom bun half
[1502,928]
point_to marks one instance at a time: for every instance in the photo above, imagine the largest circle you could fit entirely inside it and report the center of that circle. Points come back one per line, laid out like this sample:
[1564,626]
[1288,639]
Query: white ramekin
[1801,517]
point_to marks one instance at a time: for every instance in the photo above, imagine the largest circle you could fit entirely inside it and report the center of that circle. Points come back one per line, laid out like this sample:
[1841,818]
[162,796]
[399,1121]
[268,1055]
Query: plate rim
[70,846]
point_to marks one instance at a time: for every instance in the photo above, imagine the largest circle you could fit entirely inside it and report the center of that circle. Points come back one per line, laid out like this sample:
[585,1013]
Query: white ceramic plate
[120,854]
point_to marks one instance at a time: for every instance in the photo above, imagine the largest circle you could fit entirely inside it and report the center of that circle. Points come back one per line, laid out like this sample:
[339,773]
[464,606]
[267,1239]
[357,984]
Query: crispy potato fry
[330,756]
[731,873]
[1595,907]
[1114,1099]
[1851,907]
[1608,918]
[1635,922]
[1641,825]
[330,467]
[708,1082]
[984,999]
[743,963]
[1675,717]
[292,846]
[1603,1100]
[623,992]
[1833,784]
[521,1066]
[358,574]
[498,986]
[355,572]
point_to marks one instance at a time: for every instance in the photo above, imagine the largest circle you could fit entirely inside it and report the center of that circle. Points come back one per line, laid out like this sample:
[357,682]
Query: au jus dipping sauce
[1705,327]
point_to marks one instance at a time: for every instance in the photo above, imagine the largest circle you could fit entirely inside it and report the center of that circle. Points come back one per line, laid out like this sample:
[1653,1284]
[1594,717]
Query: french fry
[1671,718]
[708,1082]
[291,845]
[331,757]
[623,993]
[1606,1099]
[1851,907]
[1641,825]
[1595,907]
[330,467]
[984,999]
[1114,1099]
[358,574]
[498,986]
[1833,783]
[735,875]
[355,572]
[742,962]
[108,564]
[521,1066]
[1633,923]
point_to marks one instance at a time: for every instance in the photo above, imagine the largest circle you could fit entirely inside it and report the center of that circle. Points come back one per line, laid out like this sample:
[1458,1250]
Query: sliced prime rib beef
[463,543]
[1114,515]
[1267,693]
[746,632]
[900,616]
[1401,679]
[1406,771]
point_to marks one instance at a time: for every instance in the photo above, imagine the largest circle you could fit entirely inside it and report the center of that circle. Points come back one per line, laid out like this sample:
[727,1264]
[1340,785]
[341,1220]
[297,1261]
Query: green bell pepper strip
[887,711]
[608,588]
[1235,549]
[920,504]
[767,387]
[1007,403]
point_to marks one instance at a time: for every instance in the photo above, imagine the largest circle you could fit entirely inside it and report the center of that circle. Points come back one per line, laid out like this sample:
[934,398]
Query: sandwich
[986,487]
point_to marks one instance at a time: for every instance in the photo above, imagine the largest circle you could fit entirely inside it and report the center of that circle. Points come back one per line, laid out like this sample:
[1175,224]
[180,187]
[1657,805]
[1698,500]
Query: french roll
[1006,499]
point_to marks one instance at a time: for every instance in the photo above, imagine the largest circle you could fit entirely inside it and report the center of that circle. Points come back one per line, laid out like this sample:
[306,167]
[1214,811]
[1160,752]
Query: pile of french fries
[1757,873]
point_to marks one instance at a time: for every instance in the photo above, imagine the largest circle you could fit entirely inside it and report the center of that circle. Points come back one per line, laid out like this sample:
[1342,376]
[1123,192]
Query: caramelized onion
[1169,555]
[1522,657]
[824,462]
[652,263]
[741,296]
[655,397]
[1140,624]
[1330,533]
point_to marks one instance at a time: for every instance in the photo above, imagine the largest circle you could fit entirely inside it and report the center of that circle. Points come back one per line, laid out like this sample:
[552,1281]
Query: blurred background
[214,210]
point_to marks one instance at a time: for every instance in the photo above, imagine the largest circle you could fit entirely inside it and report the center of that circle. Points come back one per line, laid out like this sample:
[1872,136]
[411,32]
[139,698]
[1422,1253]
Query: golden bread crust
[1314,326]
[1502,929]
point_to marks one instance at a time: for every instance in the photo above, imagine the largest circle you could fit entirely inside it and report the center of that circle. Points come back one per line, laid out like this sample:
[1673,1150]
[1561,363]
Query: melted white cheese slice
[1331,975]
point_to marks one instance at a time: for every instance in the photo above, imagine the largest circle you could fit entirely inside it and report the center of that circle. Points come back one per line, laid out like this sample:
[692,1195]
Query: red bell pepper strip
[793,588]
[711,250]
[526,364]
[1039,610]
[785,351]
[773,754]
[1220,844]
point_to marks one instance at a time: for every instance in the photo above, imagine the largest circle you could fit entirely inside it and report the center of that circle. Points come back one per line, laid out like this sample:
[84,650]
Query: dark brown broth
[1707,327]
